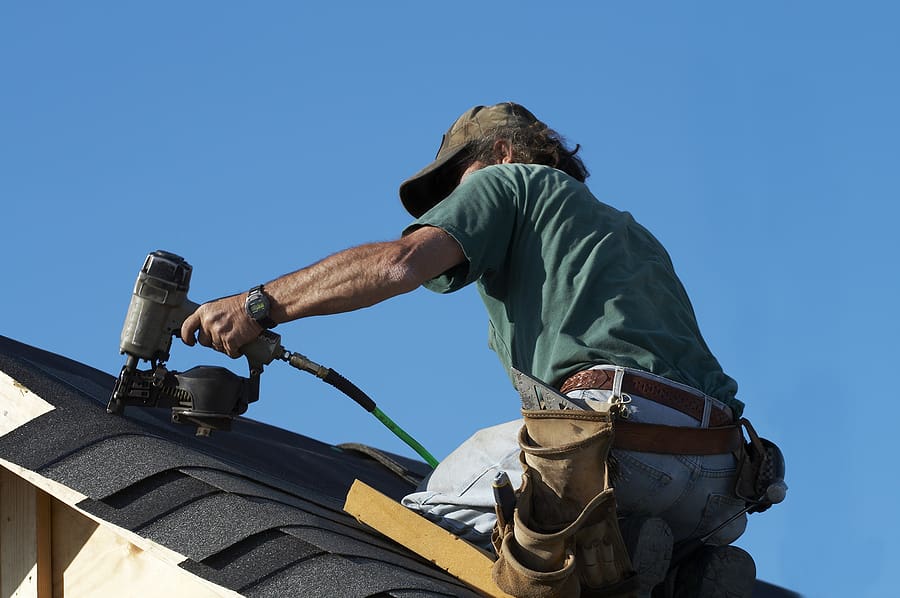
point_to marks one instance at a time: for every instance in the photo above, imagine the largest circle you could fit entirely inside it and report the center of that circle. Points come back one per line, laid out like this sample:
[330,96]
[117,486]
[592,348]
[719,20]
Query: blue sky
[759,142]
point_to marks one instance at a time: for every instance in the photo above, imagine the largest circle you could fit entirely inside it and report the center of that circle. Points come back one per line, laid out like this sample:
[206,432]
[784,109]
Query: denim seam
[662,477]
[697,469]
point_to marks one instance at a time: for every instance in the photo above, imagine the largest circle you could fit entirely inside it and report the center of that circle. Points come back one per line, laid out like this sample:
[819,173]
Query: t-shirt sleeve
[480,214]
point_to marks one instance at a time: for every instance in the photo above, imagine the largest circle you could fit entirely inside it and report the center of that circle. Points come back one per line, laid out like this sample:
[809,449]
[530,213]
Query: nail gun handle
[262,351]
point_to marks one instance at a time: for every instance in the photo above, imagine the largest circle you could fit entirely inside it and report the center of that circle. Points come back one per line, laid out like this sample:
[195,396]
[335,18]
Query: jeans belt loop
[619,400]
[618,377]
[707,411]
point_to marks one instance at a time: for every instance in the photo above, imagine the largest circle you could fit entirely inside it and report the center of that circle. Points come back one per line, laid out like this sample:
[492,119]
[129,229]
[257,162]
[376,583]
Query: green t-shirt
[569,282]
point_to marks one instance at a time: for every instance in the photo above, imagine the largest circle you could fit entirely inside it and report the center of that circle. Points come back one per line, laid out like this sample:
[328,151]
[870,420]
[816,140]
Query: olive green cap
[430,185]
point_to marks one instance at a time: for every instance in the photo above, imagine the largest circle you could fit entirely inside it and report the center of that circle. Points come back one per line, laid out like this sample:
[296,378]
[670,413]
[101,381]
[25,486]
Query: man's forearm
[365,275]
[352,279]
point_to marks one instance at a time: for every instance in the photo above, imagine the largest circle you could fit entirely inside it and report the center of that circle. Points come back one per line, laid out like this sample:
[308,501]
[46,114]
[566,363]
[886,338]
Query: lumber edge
[452,554]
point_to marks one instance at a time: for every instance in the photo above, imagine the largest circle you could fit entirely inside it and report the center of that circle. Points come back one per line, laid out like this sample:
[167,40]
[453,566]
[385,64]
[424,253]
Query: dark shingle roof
[257,510]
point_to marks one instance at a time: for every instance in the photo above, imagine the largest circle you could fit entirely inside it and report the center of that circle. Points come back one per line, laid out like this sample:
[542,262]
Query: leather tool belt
[723,435]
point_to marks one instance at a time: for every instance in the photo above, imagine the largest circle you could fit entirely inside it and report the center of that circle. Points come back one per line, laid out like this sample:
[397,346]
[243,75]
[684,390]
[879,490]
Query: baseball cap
[433,183]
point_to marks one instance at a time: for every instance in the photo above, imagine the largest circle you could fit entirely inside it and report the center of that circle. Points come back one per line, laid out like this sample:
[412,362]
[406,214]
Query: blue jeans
[693,494]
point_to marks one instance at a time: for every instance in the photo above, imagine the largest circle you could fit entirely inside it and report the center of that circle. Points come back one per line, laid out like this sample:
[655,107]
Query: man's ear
[503,151]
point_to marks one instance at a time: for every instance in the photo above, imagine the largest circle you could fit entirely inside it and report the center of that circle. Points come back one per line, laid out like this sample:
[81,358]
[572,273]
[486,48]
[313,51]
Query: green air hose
[333,378]
[401,433]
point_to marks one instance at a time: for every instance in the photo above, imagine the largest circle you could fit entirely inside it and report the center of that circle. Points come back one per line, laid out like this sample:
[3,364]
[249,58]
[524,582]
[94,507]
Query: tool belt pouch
[564,539]
[531,564]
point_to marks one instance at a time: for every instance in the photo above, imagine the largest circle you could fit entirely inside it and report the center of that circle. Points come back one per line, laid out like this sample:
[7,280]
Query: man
[580,297]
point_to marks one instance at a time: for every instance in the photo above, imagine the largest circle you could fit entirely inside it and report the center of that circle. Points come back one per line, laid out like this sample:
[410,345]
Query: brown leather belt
[676,440]
[658,392]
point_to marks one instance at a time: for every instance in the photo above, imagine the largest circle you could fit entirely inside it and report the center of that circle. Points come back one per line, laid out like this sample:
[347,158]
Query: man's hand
[222,324]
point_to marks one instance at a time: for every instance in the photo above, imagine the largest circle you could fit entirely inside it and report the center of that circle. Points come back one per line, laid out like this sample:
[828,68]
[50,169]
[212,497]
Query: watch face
[257,306]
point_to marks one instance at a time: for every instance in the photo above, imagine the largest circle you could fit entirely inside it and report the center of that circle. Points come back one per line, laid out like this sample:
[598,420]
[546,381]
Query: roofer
[583,298]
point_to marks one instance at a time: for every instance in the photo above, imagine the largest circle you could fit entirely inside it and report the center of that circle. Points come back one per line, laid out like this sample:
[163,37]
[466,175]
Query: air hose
[301,362]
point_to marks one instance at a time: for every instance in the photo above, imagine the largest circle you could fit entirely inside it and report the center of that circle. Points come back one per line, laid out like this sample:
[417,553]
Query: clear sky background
[758,141]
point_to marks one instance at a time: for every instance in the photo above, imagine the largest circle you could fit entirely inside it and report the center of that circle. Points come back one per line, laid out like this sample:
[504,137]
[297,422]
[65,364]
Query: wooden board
[18,537]
[452,554]
[43,525]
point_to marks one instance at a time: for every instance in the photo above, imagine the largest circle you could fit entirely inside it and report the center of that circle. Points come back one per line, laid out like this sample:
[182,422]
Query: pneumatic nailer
[208,397]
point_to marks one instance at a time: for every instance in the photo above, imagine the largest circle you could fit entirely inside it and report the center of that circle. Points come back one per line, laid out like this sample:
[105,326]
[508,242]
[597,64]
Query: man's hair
[532,144]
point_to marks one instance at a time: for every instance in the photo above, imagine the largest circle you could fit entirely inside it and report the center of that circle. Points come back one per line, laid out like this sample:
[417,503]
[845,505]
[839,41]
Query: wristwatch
[257,307]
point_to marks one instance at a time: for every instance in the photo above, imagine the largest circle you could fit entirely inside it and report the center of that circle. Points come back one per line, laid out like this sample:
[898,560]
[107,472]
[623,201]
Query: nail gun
[208,397]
